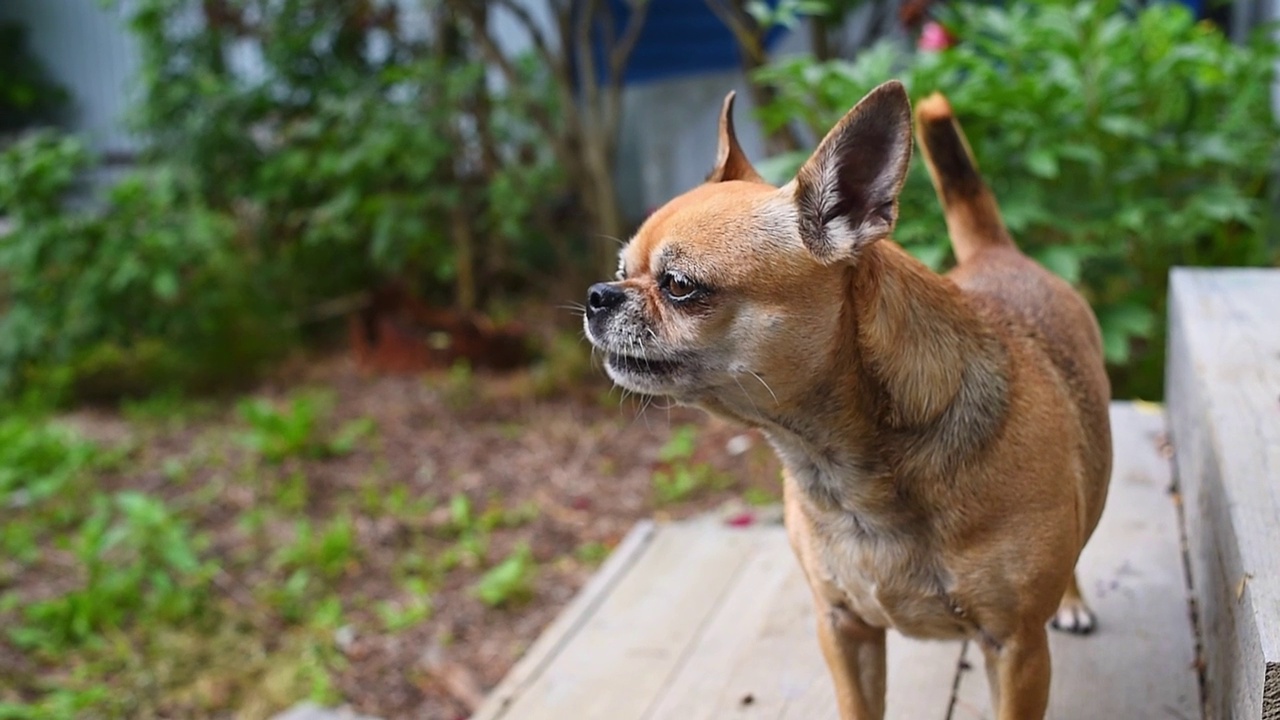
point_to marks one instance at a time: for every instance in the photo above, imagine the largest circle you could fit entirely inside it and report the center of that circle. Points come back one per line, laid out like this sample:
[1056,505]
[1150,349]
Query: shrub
[153,288]
[356,150]
[1118,144]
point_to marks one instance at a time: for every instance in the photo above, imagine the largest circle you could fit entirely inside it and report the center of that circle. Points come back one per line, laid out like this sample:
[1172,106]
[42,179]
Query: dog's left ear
[731,161]
[847,191]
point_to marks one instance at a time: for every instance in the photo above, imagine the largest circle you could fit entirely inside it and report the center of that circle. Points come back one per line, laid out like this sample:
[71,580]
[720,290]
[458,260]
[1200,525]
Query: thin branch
[530,25]
[589,83]
[630,37]
[550,126]
[743,28]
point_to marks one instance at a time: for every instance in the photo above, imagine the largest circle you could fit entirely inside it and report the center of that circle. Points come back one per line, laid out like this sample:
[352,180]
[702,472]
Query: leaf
[1061,260]
[1120,324]
[1042,163]
[509,581]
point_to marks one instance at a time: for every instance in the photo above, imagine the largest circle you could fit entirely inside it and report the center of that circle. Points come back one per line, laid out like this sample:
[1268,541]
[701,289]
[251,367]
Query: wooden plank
[922,676]
[568,623]
[1138,664]
[1222,384]
[759,655]
[703,687]
[623,652]
[783,662]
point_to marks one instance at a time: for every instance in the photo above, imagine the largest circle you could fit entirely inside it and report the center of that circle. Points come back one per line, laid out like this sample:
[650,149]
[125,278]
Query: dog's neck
[915,383]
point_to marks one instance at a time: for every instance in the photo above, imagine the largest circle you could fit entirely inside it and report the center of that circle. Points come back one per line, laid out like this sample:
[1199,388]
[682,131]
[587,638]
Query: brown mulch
[584,459]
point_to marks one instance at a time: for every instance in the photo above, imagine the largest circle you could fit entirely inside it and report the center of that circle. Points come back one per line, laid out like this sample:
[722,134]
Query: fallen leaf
[1240,586]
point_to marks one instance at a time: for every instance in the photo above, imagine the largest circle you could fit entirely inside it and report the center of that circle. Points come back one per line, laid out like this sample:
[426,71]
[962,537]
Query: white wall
[86,48]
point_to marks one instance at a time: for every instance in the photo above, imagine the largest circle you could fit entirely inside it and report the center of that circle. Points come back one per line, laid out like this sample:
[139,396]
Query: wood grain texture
[1223,395]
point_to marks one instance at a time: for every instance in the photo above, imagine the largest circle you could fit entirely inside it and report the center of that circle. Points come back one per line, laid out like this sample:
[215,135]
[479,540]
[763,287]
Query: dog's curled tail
[973,217]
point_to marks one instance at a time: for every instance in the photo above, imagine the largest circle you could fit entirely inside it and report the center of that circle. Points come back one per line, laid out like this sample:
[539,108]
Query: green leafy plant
[681,478]
[39,460]
[413,610]
[294,429]
[358,166]
[137,559]
[1118,143]
[592,552]
[147,290]
[510,581]
[326,552]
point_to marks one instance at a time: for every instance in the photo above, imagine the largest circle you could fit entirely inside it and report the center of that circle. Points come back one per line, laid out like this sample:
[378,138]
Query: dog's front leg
[1018,673]
[855,655]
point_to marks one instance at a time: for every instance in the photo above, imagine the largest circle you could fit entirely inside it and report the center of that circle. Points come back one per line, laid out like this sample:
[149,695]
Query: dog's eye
[678,287]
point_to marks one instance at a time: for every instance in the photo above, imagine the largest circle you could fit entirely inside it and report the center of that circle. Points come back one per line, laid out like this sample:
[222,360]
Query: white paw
[1074,617]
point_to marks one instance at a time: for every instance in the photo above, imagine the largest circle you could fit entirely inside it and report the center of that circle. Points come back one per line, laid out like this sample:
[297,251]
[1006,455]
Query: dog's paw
[1075,617]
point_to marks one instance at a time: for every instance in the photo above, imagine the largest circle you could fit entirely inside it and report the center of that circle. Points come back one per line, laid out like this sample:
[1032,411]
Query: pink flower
[934,37]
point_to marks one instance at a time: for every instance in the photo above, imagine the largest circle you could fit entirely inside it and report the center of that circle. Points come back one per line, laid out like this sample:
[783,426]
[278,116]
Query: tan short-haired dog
[945,438]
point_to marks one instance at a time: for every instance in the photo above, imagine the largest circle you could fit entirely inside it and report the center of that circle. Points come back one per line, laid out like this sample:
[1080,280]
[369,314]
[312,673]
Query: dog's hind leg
[1074,615]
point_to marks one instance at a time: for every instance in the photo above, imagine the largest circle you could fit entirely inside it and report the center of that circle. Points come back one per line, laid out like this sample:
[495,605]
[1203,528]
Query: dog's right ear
[731,161]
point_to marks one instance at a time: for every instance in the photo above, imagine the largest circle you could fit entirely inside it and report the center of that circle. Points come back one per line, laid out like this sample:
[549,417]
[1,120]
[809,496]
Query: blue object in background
[1196,6]
[680,37]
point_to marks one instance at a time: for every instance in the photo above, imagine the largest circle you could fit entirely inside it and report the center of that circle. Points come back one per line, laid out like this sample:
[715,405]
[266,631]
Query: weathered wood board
[1222,388]
[699,621]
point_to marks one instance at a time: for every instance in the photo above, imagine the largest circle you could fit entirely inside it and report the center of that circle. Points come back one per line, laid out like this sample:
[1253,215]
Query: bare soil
[574,471]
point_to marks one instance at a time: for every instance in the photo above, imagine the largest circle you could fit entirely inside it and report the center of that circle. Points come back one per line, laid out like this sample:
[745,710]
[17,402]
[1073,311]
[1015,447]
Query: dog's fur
[945,439]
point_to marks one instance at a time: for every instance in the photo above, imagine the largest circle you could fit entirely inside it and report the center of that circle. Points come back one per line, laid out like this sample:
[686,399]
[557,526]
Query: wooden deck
[699,621]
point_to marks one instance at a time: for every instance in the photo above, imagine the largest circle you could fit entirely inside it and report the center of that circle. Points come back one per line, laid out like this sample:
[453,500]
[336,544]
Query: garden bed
[355,539]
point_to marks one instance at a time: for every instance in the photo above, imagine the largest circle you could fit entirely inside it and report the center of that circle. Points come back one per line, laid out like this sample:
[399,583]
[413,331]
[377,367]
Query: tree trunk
[464,282]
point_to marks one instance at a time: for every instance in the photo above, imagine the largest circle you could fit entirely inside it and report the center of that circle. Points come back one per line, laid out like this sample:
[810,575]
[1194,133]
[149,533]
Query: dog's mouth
[642,366]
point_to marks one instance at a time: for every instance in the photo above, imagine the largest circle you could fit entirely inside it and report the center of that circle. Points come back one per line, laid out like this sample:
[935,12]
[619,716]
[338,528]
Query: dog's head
[731,294]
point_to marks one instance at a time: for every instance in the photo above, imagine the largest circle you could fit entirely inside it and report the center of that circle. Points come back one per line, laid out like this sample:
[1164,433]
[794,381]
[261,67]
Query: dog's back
[990,266]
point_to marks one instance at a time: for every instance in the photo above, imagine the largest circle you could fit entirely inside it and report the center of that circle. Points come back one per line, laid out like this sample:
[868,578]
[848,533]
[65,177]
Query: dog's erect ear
[847,191]
[731,162]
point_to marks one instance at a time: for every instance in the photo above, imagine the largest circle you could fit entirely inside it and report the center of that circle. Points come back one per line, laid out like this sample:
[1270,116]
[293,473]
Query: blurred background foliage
[1119,139]
[1119,142]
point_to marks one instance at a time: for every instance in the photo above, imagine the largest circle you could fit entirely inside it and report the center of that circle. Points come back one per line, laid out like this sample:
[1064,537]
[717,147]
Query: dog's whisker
[765,384]
[747,394]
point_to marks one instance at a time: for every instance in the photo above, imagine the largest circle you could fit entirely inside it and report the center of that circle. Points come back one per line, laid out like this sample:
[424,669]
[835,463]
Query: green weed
[294,430]
[682,478]
[39,459]
[592,552]
[328,551]
[510,581]
[413,610]
[138,560]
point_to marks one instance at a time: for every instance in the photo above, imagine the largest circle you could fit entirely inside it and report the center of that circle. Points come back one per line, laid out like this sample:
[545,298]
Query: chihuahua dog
[945,438]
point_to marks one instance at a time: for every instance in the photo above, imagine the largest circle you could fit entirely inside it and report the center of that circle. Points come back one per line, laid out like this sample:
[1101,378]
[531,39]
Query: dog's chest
[883,566]
[887,581]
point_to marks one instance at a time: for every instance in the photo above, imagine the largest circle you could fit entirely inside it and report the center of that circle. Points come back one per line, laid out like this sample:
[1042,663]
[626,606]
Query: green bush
[152,288]
[355,151]
[1118,144]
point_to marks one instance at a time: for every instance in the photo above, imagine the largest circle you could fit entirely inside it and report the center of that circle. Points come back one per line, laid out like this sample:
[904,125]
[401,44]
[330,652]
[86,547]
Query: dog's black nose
[602,296]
